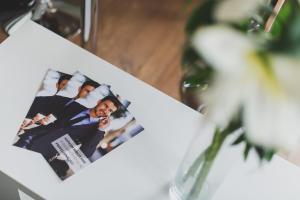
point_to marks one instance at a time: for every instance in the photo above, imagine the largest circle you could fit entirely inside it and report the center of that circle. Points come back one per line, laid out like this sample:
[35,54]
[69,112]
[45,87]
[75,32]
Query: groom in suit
[87,135]
[103,109]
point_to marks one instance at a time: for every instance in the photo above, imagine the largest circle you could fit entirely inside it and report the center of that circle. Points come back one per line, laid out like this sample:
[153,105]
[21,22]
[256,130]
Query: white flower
[235,10]
[268,93]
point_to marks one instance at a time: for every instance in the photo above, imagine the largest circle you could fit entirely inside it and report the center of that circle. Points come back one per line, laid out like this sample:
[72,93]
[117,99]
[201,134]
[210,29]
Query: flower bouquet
[246,53]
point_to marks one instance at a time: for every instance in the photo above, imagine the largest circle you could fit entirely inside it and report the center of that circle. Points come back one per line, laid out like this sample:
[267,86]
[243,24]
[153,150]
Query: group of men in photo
[86,126]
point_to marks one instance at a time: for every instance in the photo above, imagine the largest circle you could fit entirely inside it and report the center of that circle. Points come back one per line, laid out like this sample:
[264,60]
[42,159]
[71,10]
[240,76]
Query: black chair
[69,18]
[10,9]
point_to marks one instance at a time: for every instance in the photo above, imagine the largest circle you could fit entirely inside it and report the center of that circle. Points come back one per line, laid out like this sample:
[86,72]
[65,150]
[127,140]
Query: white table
[142,168]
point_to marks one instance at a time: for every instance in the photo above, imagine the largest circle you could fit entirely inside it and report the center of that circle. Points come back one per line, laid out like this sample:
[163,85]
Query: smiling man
[86,128]
[85,117]
[103,109]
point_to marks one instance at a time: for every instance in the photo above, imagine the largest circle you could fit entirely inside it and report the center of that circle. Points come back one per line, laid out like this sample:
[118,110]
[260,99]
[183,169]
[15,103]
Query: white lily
[235,10]
[268,93]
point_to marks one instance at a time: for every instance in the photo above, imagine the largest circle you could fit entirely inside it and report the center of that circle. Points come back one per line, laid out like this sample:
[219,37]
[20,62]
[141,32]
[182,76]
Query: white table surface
[140,169]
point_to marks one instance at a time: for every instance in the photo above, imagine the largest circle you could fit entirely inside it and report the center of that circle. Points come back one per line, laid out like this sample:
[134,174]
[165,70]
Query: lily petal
[287,71]
[235,10]
[224,48]
[223,99]
[271,122]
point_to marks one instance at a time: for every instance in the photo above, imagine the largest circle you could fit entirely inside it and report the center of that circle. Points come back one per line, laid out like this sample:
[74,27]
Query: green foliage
[201,15]
[243,25]
[198,73]
[262,152]
[283,38]
[247,150]
[281,20]
[190,58]
[192,62]
[285,33]
[200,78]
[234,125]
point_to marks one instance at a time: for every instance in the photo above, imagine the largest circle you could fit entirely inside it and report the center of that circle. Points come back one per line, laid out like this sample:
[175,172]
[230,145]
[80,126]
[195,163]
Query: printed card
[74,121]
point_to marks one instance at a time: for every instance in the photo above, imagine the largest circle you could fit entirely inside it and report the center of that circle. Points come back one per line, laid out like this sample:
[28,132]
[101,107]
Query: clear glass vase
[205,165]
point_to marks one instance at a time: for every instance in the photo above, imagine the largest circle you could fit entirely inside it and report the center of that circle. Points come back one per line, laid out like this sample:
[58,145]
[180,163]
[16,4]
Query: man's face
[62,84]
[84,91]
[105,108]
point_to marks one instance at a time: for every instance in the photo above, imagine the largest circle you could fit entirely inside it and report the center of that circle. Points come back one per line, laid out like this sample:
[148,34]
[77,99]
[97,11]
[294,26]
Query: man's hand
[25,123]
[104,123]
[45,120]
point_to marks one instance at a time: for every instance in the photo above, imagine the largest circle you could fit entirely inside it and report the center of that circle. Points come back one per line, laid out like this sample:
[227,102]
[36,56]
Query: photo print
[78,123]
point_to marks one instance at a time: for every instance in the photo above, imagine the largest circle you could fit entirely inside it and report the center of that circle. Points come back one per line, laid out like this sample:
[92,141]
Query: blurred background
[142,37]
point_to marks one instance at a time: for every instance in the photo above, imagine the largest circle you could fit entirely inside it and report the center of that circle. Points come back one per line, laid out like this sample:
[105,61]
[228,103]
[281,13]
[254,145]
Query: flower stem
[195,167]
[209,157]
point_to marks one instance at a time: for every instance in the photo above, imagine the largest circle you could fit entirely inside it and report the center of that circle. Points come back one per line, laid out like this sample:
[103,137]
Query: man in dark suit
[55,104]
[88,136]
[39,104]
[85,116]
[85,128]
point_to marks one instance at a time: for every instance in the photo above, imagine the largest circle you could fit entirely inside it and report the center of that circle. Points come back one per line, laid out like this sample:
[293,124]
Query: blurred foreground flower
[235,10]
[264,86]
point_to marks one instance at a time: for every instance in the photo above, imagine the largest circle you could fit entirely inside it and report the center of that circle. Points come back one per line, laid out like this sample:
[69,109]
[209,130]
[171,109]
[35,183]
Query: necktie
[67,104]
[78,119]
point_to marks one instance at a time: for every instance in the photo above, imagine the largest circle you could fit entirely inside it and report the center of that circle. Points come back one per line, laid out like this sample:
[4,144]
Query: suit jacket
[40,131]
[87,135]
[57,104]
[39,105]
[47,105]
[68,112]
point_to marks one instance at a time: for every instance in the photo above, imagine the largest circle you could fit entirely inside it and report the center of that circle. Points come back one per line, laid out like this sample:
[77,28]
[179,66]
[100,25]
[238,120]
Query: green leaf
[264,153]
[294,36]
[189,57]
[269,155]
[201,15]
[285,33]
[193,81]
[239,140]
[281,21]
[247,150]
[260,152]
[242,26]
[235,123]
[199,78]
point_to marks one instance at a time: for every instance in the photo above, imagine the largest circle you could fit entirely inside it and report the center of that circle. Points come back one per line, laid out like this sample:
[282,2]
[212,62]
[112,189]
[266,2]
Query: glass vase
[205,165]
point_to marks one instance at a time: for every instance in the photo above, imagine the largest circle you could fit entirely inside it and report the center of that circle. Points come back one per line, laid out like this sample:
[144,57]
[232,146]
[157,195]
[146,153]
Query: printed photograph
[74,121]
